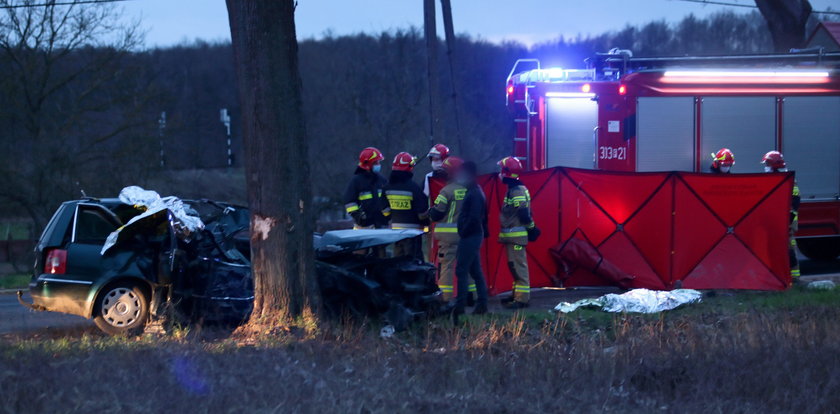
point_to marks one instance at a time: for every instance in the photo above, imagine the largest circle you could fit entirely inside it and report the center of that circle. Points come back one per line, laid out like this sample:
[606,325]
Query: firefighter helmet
[451,165]
[774,160]
[439,150]
[511,167]
[369,157]
[404,162]
[723,158]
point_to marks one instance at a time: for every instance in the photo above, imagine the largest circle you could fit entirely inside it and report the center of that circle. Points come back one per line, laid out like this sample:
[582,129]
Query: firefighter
[722,161]
[472,230]
[407,202]
[437,155]
[518,228]
[444,213]
[364,199]
[774,161]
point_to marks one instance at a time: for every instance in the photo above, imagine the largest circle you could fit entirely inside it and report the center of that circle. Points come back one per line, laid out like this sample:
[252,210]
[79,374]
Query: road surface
[15,318]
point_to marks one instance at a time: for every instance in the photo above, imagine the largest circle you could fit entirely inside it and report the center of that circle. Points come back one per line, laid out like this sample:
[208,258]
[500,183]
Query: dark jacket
[407,201]
[472,220]
[365,200]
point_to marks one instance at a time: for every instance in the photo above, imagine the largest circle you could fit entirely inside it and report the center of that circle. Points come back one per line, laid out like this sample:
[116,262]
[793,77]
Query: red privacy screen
[706,231]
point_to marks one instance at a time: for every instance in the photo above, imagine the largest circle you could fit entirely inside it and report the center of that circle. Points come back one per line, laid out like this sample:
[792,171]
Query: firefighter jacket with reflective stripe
[516,214]
[409,206]
[794,208]
[365,200]
[445,212]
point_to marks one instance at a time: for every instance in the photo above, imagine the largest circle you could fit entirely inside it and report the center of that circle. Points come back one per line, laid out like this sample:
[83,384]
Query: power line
[65,3]
[751,6]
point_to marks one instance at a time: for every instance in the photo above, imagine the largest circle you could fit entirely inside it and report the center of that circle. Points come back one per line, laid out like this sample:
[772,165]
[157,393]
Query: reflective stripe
[518,247]
[445,288]
[446,228]
[399,193]
[351,207]
[792,242]
[794,272]
[513,232]
[399,197]
[440,199]
[367,195]
[522,288]
[795,190]
[400,226]
[472,288]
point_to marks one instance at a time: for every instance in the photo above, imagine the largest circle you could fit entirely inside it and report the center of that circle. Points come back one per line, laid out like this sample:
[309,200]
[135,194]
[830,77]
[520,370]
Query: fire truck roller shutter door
[811,144]
[665,134]
[745,125]
[570,125]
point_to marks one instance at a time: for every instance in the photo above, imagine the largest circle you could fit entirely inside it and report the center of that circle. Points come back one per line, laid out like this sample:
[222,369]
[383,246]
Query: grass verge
[745,353]
[14,281]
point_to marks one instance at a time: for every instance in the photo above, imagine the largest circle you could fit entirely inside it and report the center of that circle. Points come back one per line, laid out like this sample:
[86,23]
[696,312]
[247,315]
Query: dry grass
[742,354]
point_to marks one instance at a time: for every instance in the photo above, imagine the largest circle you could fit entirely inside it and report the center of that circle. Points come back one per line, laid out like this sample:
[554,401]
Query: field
[748,352]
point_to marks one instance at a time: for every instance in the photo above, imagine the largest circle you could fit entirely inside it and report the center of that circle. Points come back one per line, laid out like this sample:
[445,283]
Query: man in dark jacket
[408,204]
[472,230]
[364,199]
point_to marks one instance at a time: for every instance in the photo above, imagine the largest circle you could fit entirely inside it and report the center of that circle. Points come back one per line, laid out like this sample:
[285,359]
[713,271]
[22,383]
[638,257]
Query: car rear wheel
[121,310]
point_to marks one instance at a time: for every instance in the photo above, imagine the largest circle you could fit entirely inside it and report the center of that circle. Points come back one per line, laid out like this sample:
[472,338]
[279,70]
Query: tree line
[84,101]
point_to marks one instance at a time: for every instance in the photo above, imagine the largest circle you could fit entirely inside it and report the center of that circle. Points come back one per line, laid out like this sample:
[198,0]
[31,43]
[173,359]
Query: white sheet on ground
[636,300]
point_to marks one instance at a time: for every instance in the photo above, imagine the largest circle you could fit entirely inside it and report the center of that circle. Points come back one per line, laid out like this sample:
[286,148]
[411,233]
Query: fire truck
[639,114]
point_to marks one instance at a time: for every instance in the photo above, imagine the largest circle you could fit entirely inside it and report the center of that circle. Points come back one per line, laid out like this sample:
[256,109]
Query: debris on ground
[576,253]
[821,285]
[636,301]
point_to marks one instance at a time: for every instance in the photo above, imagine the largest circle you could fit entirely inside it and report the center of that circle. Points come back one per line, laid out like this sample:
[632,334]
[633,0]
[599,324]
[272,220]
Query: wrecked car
[119,262]
[123,261]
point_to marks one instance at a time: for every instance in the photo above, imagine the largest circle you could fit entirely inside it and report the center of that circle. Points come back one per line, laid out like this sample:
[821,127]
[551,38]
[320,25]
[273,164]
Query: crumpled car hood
[350,240]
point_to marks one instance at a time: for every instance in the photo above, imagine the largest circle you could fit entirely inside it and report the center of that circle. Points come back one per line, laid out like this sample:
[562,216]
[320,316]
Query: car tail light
[622,90]
[56,263]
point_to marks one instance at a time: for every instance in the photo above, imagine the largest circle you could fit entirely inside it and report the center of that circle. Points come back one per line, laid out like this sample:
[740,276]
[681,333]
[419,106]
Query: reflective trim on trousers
[401,226]
[446,228]
[446,288]
[522,288]
[472,288]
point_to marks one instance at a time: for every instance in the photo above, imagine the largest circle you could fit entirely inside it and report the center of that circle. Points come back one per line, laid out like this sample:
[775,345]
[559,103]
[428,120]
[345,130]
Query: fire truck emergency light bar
[703,76]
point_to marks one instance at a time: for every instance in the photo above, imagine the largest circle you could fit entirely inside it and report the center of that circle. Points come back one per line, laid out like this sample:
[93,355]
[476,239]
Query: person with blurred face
[774,162]
[472,230]
[364,199]
[437,155]
[722,161]
[445,212]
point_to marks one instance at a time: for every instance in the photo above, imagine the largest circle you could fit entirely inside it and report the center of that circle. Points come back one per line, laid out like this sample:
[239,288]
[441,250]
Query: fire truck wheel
[820,248]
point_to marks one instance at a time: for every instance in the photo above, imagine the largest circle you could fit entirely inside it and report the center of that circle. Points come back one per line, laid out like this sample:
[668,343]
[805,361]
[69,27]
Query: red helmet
[451,165]
[404,162]
[439,150]
[369,157]
[511,167]
[774,160]
[723,158]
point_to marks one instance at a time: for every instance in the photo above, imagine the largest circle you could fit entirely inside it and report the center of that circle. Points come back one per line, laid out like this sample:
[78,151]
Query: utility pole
[429,24]
[449,31]
[225,118]
[161,129]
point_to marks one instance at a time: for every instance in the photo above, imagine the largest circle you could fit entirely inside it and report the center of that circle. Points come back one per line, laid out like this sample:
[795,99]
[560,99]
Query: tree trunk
[786,20]
[276,159]
[430,26]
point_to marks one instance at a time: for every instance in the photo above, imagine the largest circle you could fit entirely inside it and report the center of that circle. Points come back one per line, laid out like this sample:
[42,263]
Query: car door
[91,225]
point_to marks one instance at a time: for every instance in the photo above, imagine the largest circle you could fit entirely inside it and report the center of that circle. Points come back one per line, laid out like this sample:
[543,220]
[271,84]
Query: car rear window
[93,226]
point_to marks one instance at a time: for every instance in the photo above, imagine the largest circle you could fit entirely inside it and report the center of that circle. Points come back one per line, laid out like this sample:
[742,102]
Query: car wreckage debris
[202,250]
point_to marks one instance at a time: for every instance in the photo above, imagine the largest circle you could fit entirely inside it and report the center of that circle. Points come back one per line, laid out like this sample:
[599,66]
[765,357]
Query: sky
[170,22]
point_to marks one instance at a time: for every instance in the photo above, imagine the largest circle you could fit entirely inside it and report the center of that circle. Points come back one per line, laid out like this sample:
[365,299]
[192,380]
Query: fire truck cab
[625,113]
